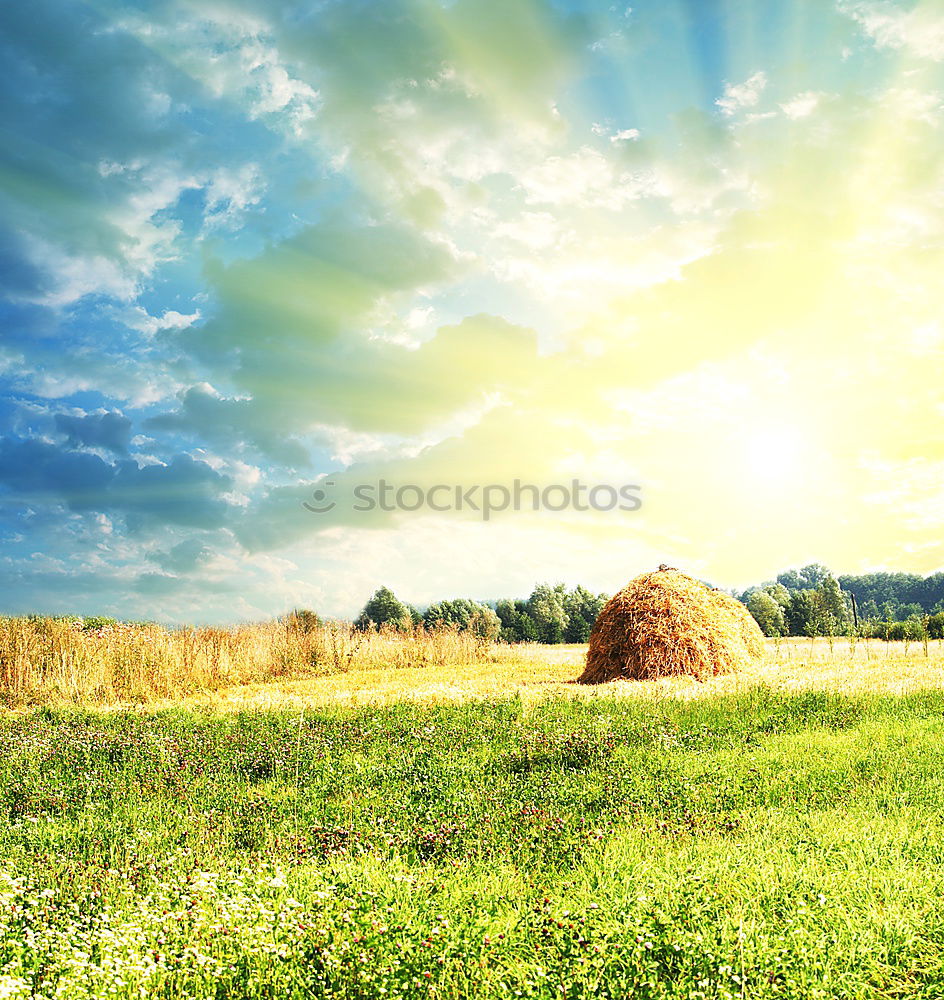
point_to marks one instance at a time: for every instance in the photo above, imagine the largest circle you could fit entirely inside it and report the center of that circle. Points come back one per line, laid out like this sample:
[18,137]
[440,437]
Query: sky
[259,256]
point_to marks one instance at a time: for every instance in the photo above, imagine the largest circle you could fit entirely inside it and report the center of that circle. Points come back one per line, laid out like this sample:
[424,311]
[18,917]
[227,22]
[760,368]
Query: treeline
[552,614]
[801,602]
[812,602]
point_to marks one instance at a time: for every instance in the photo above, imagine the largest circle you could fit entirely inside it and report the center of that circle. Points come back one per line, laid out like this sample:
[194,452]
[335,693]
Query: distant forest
[552,614]
[811,601]
[801,602]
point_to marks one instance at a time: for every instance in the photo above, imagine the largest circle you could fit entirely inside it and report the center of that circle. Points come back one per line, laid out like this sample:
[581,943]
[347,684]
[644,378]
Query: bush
[936,626]
[302,620]
[94,622]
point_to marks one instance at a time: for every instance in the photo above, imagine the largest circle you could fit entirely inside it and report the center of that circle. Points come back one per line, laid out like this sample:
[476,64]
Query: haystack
[664,624]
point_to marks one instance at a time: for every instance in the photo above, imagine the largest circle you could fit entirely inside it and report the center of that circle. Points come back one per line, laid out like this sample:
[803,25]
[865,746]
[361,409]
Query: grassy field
[534,673]
[486,831]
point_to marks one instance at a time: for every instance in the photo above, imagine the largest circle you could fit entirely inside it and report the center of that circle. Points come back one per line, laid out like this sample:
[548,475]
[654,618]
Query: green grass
[758,845]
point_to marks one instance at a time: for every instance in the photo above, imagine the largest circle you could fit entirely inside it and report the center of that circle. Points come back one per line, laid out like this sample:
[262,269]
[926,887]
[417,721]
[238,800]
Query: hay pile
[664,624]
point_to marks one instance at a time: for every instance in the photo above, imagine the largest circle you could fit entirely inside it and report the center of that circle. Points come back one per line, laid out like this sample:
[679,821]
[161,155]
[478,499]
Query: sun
[774,456]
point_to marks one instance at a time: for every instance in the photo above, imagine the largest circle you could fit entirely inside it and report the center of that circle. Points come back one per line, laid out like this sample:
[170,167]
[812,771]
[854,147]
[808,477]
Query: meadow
[483,828]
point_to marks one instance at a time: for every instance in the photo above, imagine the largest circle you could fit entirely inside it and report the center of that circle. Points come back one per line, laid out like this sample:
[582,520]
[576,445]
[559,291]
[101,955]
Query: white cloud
[148,232]
[145,241]
[234,56]
[919,30]
[742,95]
[72,276]
[229,192]
[621,135]
[919,105]
[141,320]
[537,230]
[802,105]
[583,177]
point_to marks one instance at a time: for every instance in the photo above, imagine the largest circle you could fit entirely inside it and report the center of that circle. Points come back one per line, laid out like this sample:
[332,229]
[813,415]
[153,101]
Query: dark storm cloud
[37,468]
[232,422]
[109,430]
[184,491]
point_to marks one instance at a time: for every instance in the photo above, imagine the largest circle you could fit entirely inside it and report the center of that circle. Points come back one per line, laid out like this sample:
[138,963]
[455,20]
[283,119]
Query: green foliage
[834,615]
[767,612]
[800,614]
[94,622]
[808,578]
[779,593]
[516,623]
[466,615]
[895,596]
[772,846]
[805,602]
[915,629]
[546,606]
[935,626]
[582,609]
[550,615]
[384,608]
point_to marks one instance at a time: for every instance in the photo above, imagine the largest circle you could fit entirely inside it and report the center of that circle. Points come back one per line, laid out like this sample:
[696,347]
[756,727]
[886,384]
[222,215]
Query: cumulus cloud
[918,29]
[185,557]
[108,429]
[232,54]
[738,96]
[233,422]
[182,491]
[584,177]
[138,318]
[802,105]
[361,241]
[37,468]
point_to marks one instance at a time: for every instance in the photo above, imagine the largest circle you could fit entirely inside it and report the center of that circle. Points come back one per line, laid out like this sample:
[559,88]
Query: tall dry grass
[55,660]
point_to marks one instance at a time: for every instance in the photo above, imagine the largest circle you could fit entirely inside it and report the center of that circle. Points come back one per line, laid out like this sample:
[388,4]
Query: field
[485,829]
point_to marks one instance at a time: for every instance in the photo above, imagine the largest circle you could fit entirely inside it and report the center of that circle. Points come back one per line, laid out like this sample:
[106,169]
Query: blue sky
[250,247]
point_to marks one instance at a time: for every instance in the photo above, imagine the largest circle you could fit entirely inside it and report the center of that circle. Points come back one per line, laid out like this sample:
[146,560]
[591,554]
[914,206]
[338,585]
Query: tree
[507,616]
[868,609]
[767,612]
[936,626]
[834,614]
[546,609]
[516,623]
[384,608]
[526,624]
[915,629]
[582,609]
[484,624]
[457,612]
[807,578]
[466,615]
[801,613]
[890,610]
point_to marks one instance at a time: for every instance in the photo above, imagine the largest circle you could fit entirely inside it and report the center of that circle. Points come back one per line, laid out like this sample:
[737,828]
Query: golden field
[275,665]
